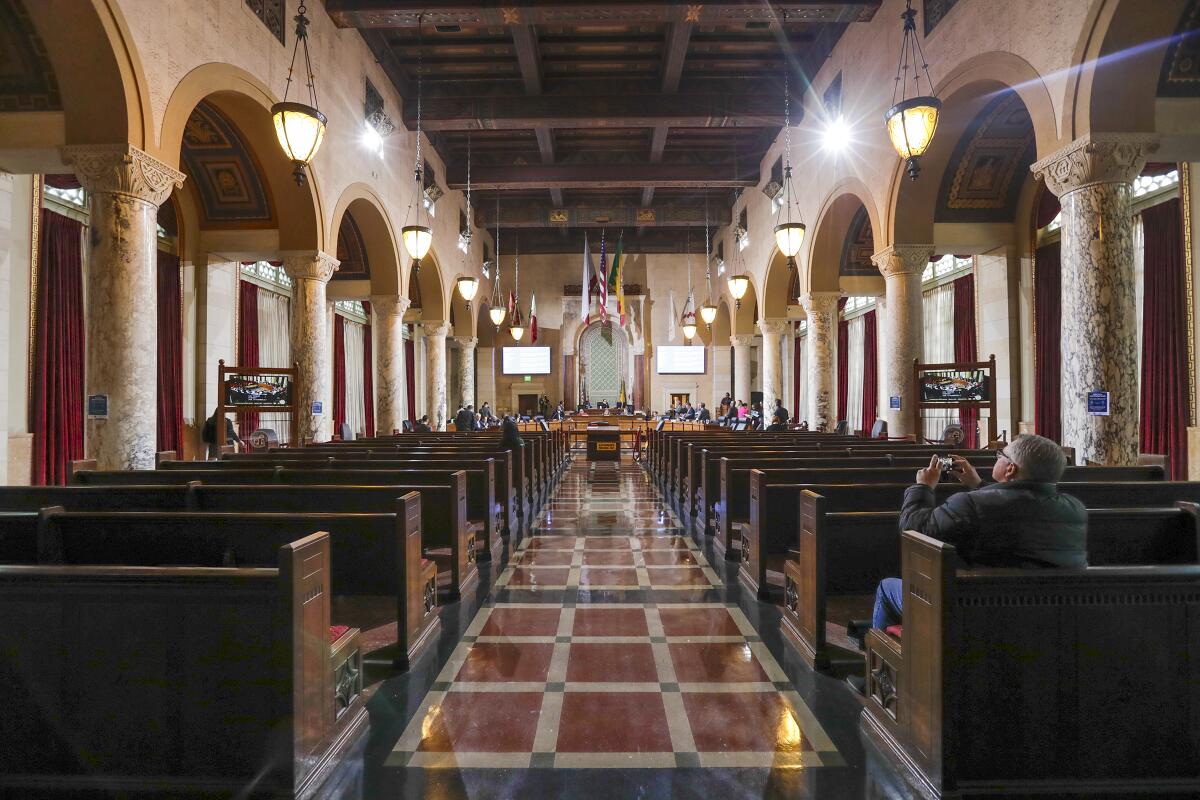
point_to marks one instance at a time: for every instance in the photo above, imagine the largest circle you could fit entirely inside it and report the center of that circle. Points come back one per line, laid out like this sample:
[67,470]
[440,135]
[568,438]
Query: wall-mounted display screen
[526,361]
[680,359]
[954,386]
[258,390]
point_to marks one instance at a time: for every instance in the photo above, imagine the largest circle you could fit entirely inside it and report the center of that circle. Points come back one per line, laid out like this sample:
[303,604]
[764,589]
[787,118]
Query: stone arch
[775,294]
[744,319]
[843,211]
[427,291]
[484,329]
[363,208]
[722,325]
[464,319]
[246,102]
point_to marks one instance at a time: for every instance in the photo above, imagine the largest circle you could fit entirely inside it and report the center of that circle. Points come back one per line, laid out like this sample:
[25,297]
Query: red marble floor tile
[607,576]
[600,722]
[678,576]
[611,663]
[547,558]
[685,621]
[737,722]
[659,558]
[610,622]
[606,543]
[662,543]
[504,661]
[608,559]
[544,576]
[522,622]
[710,662]
[551,543]
[488,722]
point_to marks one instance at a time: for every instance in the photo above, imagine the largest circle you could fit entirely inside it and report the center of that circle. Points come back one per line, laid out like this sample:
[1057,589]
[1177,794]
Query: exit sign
[528,378]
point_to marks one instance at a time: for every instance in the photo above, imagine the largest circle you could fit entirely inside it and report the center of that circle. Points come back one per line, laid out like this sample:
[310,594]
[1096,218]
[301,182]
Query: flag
[603,277]
[671,314]
[533,319]
[586,307]
[512,303]
[621,397]
[689,311]
[616,280]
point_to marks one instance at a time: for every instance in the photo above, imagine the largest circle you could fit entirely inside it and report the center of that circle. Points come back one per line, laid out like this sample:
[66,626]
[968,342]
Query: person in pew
[778,408]
[209,436]
[703,414]
[485,413]
[464,420]
[779,421]
[559,412]
[510,434]
[422,425]
[1020,521]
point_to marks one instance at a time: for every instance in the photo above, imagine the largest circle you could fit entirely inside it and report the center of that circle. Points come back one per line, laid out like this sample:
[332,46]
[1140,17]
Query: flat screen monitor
[954,386]
[526,361]
[680,359]
[262,391]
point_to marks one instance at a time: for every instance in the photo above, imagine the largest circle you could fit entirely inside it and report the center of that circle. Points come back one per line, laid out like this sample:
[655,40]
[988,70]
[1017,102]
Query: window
[801,327]
[1144,186]
[487,262]
[352,309]
[946,268]
[75,197]
[742,231]
[464,232]
[774,187]
[857,303]
[274,275]
[719,258]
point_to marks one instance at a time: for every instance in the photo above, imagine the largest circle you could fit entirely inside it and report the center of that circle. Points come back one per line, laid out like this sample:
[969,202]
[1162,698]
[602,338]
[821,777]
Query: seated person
[422,425]
[1020,521]
[779,422]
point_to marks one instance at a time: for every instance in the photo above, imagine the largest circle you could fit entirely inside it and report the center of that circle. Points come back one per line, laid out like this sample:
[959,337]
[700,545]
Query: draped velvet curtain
[170,354]
[352,338]
[870,386]
[1047,293]
[368,376]
[247,349]
[938,307]
[843,354]
[1164,395]
[799,379]
[339,373]
[275,349]
[56,407]
[410,376]
[855,329]
[965,347]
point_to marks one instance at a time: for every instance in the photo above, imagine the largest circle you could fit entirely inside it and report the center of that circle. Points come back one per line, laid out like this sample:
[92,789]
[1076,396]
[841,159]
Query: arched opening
[603,357]
[366,246]
[842,248]
[426,292]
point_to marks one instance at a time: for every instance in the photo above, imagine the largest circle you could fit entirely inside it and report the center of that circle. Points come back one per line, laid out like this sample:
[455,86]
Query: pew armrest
[345,661]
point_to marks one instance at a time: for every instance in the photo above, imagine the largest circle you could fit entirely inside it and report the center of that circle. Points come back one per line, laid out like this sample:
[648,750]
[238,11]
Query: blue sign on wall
[1098,404]
[318,408]
[894,402]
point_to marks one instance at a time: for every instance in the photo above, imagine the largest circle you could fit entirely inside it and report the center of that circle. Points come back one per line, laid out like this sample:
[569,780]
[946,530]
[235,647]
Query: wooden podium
[603,442]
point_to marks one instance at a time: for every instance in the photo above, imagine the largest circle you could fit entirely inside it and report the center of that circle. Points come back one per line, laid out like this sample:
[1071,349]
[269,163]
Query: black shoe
[858,683]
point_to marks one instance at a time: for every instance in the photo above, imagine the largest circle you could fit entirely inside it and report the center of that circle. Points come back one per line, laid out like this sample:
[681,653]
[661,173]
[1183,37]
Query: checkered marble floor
[607,644]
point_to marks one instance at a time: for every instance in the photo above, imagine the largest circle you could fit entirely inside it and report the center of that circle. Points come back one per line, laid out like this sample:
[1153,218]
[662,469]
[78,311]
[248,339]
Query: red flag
[603,281]
[533,320]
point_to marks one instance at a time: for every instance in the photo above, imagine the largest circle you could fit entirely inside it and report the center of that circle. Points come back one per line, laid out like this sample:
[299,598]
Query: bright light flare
[837,136]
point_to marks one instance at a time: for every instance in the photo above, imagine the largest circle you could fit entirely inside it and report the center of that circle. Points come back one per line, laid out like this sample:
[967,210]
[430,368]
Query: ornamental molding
[742,340]
[122,169]
[903,259]
[390,305]
[313,265]
[465,342]
[1094,159]
[435,329]
[773,327]
[820,306]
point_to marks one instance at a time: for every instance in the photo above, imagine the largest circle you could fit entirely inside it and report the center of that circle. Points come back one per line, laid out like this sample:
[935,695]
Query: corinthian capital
[902,259]
[819,306]
[389,305]
[122,169]
[465,342]
[435,329]
[1096,158]
[742,340]
[773,327]
[314,265]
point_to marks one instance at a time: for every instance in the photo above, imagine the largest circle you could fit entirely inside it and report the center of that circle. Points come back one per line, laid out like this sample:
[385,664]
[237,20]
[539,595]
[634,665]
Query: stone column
[821,308]
[389,388]
[772,332]
[904,331]
[311,272]
[1092,178]
[435,365]
[741,365]
[466,368]
[127,187]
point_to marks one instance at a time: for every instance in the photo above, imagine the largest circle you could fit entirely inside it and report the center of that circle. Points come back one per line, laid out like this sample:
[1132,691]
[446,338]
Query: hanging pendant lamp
[497,311]
[418,237]
[300,128]
[789,224]
[912,121]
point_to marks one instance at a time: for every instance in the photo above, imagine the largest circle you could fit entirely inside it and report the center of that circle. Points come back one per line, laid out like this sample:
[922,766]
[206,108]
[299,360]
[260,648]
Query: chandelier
[912,121]
[497,311]
[299,128]
[708,311]
[418,237]
[789,225]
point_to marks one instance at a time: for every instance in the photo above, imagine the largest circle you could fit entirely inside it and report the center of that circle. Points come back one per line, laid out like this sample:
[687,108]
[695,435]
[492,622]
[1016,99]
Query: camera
[946,463]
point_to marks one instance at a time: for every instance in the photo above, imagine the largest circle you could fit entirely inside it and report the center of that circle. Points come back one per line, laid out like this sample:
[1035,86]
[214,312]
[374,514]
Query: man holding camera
[1019,521]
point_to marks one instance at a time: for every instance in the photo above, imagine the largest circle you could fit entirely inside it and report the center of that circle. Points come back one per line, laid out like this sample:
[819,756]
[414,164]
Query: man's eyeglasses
[1003,453]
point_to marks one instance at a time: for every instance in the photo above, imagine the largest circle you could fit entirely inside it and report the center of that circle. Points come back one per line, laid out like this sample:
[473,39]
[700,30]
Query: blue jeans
[889,603]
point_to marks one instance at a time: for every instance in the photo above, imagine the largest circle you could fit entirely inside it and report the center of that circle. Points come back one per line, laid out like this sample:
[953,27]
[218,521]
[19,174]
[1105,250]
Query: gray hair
[1038,458]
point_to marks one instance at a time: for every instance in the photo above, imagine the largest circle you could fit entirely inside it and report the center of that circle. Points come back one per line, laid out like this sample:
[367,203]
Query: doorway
[679,399]
[527,404]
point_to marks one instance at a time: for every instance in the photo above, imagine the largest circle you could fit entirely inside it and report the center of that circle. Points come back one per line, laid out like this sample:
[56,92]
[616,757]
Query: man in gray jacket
[1019,521]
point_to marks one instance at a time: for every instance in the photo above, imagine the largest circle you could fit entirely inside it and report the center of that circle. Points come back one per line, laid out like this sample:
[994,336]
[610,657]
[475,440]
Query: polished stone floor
[610,658]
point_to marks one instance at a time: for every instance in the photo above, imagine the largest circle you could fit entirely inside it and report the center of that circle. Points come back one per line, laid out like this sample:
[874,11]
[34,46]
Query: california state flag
[533,320]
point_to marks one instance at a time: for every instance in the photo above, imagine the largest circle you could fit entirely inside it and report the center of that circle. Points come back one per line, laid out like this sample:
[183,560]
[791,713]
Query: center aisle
[610,657]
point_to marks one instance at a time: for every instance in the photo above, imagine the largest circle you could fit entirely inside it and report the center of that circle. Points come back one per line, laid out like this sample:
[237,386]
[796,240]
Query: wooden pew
[844,554]
[1039,681]
[123,679]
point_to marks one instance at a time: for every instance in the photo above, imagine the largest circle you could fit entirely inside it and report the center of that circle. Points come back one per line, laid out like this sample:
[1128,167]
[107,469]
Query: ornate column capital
[389,305]
[122,169]
[314,265]
[1095,158]
[773,327]
[902,259]
[820,305]
[435,329]
[742,340]
[465,342]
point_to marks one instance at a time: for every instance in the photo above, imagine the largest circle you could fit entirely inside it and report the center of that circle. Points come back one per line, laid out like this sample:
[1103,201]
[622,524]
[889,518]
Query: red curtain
[797,355]
[170,354]
[843,364]
[410,375]
[368,376]
[1164,338]
[56,407]
[870,404]
[247,349]
[1047,326]
[339,373]
[965,348]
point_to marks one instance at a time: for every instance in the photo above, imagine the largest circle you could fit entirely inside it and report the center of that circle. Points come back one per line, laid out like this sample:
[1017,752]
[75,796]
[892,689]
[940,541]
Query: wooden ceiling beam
[525,40]
[607,176]
[535,214]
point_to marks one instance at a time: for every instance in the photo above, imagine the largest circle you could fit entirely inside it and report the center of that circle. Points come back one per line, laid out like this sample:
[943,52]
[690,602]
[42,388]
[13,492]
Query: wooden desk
[603,443]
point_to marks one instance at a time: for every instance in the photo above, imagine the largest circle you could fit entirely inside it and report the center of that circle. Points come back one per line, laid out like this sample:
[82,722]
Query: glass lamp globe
[467,287]
[689,330]
[911,125]
[789,236]
[708,313]
[417,240]
[517,331]
[738,284]
[497,313]
[300,130]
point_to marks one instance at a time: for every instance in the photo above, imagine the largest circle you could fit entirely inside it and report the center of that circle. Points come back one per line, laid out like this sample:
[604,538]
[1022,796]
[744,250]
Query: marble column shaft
[389,388]
[904,329]
[127,186]
[821,309]
[311,272]
[741,365]
[435,364]
[466,368]
[772,367]
[1092,178]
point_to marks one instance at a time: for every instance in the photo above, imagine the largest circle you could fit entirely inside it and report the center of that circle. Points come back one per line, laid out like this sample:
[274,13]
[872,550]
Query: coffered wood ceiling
[586,114]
